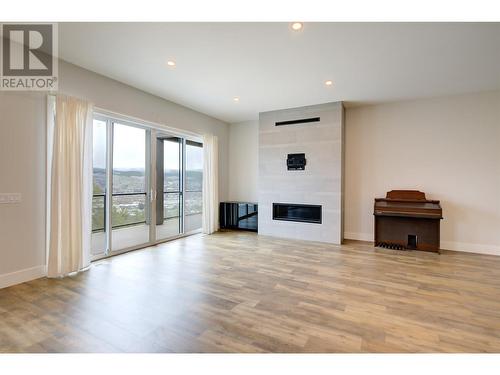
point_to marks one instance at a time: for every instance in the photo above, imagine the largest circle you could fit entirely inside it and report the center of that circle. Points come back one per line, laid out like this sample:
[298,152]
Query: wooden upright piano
[405,219]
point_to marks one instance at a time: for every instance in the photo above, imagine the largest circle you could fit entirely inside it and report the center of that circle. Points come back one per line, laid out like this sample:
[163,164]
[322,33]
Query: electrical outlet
[7,198]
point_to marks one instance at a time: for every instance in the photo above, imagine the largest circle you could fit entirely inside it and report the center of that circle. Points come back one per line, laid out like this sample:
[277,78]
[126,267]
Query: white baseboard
[471,247]
[445,245]
[18,277]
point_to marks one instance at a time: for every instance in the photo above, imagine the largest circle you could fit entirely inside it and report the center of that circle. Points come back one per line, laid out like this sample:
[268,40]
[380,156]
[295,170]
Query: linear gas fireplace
[305,213]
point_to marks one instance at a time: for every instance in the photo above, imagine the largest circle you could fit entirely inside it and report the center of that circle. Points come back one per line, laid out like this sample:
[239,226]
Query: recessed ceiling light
[296,26]
[236,99]
[170,63]
[328,83]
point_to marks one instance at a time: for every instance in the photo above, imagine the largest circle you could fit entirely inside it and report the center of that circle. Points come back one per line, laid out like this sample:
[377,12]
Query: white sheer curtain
[69,176]
[210,184]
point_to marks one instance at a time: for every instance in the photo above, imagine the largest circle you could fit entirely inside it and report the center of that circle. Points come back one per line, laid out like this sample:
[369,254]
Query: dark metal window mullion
[122,194]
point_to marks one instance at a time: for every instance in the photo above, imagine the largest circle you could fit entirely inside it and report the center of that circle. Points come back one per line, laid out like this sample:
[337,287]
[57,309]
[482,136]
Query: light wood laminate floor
[240,292]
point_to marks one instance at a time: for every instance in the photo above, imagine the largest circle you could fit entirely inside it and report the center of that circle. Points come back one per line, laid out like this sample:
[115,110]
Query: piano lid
[405,194]
[408,203]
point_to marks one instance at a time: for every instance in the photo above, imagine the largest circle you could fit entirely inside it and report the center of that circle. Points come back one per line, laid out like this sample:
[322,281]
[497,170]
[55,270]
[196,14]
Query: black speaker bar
[299,121]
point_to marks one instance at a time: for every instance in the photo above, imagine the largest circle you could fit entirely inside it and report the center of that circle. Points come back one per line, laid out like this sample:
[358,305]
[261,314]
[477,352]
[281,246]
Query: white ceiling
[271,67]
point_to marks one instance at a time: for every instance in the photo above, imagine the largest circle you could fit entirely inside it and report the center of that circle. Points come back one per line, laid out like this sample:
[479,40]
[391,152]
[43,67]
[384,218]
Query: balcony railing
[194,211]
[170,212]
[99,218]
[119,218]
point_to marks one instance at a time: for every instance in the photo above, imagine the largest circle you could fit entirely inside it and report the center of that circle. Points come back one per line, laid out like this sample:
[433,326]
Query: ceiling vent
[299,121]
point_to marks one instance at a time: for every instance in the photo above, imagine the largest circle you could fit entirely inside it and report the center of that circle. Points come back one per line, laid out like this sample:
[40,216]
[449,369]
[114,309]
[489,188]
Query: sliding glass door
[121,179]
[193,185]
[133,207]
[169,197]
[179,181]
[130,182]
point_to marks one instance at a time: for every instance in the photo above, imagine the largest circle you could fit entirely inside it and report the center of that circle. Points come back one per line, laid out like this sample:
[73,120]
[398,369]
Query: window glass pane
[170,225]
[194,166]
[129,176]
[128,210]
[98,213]
[171,205]
[171,162]
[129,159]
[99,156]
[98,246]
[194,186]
[193,202]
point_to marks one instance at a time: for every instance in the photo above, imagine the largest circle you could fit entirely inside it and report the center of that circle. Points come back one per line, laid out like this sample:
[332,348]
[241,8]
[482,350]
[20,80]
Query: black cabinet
[239,215]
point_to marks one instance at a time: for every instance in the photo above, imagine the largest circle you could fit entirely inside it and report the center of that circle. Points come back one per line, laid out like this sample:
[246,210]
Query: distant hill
[134,179]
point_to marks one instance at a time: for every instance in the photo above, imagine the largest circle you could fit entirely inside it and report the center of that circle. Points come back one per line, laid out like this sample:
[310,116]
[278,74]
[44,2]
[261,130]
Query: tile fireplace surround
[320,183]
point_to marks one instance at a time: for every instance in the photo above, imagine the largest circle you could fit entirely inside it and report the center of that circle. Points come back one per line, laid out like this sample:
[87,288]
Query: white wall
[447,147]
[22,157]
[243,161]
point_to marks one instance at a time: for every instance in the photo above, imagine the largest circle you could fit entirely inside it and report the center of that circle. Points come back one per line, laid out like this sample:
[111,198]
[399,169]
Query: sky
[130,149]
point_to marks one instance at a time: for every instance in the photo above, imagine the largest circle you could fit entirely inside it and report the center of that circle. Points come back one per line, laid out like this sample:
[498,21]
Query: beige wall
[243,161]
[22,157]
[22,170]
[447,147]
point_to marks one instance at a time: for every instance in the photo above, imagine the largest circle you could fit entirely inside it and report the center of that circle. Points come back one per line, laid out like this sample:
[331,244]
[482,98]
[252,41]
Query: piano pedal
[390,246]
